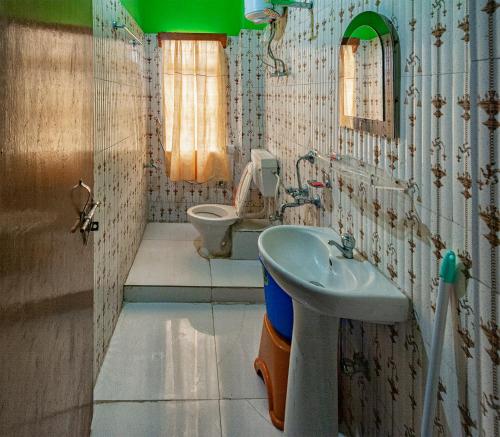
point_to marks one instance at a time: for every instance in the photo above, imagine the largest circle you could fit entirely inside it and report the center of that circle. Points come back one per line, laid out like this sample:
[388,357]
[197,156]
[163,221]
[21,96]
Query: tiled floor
[168,268]
[169,262]
[175,369]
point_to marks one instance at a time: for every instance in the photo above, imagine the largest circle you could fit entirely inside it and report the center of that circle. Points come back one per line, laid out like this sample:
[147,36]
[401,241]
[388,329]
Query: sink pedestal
[312,395]
[324,287]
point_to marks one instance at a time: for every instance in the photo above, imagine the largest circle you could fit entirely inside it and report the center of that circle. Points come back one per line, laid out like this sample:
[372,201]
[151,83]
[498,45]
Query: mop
[448,277]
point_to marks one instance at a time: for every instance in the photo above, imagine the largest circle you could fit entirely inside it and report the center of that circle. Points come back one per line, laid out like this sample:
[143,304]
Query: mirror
[367,98]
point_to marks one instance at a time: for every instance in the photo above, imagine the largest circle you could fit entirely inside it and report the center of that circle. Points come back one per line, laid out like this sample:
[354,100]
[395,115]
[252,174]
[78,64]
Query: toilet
[214,221]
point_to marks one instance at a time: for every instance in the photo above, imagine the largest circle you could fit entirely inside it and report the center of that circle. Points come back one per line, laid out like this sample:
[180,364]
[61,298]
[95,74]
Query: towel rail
[126,29]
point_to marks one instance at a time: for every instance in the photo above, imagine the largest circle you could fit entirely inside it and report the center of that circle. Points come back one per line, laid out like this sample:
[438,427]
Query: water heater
[262,11]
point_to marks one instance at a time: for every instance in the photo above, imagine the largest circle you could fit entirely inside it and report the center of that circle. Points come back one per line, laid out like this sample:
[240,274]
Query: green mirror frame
[366,26]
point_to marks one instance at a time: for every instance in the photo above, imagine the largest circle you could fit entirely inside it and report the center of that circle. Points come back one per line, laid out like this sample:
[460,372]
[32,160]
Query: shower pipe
[159,131]
[281,70]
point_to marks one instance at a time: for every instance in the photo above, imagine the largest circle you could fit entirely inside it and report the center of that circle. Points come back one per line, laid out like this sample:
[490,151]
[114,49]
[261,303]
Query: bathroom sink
[324,287]
[316,274]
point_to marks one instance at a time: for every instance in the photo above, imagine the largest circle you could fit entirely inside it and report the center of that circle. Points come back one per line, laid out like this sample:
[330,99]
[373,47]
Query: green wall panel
[65,12]
[197,16]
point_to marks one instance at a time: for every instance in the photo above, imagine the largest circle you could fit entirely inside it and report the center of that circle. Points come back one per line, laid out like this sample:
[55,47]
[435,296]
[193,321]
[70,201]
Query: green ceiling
[195,16]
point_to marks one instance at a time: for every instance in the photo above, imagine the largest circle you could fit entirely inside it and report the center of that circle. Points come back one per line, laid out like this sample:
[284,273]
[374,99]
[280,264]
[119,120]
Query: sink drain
[318,284]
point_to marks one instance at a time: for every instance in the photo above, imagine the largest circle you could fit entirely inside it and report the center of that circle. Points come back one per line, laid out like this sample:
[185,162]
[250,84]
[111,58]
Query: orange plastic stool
[272,365]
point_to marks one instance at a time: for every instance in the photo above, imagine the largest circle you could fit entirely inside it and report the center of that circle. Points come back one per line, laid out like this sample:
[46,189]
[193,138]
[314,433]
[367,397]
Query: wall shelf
[373,176]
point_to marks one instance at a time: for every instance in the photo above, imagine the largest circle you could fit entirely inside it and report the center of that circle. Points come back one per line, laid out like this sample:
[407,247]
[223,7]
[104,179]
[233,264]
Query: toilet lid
[243,189]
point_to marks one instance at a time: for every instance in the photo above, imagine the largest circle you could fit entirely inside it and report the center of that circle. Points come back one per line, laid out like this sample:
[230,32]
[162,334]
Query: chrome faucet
[299,201]
[301,194]
[348,245]
[301,190]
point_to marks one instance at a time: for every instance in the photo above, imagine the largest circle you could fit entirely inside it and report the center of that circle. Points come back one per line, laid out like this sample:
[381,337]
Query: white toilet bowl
[213,221]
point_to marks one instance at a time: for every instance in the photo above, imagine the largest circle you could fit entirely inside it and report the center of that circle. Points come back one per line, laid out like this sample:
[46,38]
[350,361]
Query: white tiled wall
[169,201]
[447,144]
[454,161]
[119,158]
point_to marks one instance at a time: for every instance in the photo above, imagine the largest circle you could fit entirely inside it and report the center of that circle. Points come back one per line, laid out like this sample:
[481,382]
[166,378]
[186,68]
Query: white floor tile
[237,336]
[160,352]
[170,263]
[157,419]
[247,418]
[170,231]
[236,273]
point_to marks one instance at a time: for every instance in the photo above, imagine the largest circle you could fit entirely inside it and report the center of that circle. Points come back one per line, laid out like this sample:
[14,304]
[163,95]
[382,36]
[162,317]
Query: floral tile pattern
[120,181]
[169,201]
[447,145]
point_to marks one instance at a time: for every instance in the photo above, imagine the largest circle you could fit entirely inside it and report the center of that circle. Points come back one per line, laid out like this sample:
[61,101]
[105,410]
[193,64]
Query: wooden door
[46,272]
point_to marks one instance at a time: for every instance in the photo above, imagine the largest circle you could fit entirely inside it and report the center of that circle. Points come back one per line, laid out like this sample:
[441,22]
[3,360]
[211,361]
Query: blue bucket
[279,307]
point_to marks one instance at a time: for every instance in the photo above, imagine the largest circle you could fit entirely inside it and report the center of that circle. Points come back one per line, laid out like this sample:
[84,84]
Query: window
[194,93]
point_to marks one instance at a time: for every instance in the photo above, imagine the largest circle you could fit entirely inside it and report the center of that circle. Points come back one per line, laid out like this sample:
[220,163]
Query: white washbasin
[316,274]
[324,287]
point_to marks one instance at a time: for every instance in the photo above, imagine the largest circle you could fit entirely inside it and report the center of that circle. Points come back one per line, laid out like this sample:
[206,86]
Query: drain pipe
[448,276]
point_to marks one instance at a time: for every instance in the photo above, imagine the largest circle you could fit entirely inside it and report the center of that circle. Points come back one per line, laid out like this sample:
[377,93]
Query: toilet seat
[243,189]
[214,213]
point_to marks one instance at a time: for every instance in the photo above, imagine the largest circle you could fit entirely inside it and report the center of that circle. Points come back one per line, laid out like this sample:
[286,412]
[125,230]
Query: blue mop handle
[448,275]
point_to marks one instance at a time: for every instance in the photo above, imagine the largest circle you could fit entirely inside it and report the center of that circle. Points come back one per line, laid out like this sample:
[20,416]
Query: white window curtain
[194,94]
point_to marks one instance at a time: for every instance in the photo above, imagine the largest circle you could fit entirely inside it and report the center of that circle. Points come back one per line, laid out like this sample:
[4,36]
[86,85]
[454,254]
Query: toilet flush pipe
[264,212]
[447,275]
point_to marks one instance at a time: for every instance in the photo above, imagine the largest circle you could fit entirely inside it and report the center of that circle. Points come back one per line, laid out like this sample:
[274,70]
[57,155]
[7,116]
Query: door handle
[86,222]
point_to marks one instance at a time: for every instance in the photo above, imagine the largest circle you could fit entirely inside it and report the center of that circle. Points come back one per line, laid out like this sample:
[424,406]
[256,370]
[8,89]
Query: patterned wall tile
[169,201]
[120,154]
[456,170]
[447,145]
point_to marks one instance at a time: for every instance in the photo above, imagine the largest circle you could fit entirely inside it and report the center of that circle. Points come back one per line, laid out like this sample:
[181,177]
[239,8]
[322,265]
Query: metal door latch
[86,222]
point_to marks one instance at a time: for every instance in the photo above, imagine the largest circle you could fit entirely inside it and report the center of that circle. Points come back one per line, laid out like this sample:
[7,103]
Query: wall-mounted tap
[309,157]
[299,201]
[301,194]
[301,191]
[348,245]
